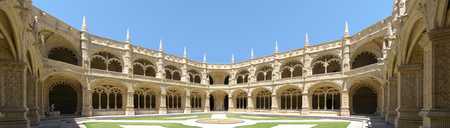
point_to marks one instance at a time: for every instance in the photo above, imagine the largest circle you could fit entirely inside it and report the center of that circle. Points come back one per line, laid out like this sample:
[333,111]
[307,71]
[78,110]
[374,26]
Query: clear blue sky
[220,27]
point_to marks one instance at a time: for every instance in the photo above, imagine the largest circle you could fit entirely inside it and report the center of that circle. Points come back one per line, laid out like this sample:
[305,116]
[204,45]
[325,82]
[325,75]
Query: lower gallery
[396,69]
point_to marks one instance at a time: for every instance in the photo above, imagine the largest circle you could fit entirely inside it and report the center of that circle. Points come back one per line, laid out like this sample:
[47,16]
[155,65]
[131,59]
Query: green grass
[117,125]
[318,125]
[200,116]
[256,117]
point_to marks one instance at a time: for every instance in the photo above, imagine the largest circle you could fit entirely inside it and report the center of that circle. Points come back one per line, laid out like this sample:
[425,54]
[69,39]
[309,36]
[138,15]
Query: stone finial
[128,36]
[84,25]
[252,54]
[185,52]
[204,57]
[346,31]
[276,47]
[232,59]
[161,48]
[306,44]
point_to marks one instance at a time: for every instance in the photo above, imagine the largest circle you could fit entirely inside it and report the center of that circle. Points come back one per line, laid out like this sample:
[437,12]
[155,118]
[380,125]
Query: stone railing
[54,64]
[372,68]
[110,74]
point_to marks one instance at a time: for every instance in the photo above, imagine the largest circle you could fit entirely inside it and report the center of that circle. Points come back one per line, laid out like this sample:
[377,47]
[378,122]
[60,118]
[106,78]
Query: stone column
[207,102]
[160,67]
[14,90]
[129,109]
[392,100]
[232,77]
[184,72]
[127,58]
[274,103]
[307,69]
[436,111]
[162,104]
[87,99]
[250,104]
[305,103]
[230,103]
[33,113]
[41,98]
[345,109]
[385,99]
[276,74]
[408,97]
[346,42]
[252,74]
[187,105]
[205,79]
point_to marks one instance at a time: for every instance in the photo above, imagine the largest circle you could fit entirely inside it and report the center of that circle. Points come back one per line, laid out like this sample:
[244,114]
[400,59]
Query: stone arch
[365,96]
[218,100]
[264,73]
[59,48]
[175,100]
[414,62]
[242,76]
[363,59]
[144,67]
[262,98]
[325,97]
[292,69]
[218,76]
[326,64]
[9,46]
[240,99]
[63,91]
[172,72]
[194,76]
[146,99]
[63,54]
[289,97]
[109,96]
[197,97]
[106,61]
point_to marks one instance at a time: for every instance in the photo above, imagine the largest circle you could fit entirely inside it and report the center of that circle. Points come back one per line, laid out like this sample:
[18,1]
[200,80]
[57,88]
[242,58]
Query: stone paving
[192,122]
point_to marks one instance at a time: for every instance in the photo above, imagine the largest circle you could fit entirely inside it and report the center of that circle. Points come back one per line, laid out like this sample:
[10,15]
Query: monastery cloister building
[397,68]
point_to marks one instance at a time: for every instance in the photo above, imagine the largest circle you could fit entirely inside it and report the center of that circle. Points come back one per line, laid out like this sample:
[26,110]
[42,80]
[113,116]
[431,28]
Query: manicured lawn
[318,125]
[256,117]
[180,117]
[117,125]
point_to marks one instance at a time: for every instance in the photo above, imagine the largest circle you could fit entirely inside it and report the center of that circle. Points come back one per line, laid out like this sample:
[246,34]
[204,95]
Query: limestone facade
[396,69]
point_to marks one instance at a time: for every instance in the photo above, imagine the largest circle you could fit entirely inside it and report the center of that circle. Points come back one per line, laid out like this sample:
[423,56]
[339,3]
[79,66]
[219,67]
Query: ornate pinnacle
[252,54]
[84,25]
[306,44]
[204,57]
[346,31]
[185,52]
[232,59]
[276,47]
[161,48]
[128,36]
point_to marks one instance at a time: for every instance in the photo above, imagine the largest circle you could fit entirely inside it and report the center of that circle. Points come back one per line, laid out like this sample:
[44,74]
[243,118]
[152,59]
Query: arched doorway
[218,101]
[64,98]
[364,101]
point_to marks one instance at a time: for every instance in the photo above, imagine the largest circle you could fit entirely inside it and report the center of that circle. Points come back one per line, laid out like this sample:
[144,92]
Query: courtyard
[220,120]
